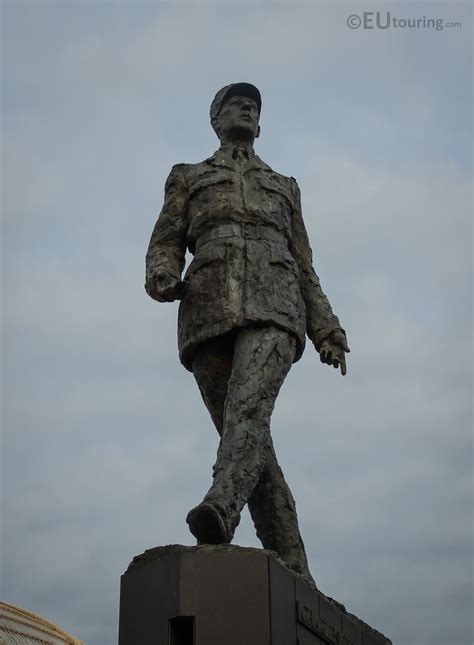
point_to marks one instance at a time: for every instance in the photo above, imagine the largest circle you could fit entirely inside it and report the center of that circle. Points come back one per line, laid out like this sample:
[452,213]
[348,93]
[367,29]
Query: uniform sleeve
[320,319]
[167,248]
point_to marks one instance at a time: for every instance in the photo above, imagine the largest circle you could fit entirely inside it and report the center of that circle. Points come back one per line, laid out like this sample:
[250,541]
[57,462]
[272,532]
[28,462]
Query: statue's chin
[241,132]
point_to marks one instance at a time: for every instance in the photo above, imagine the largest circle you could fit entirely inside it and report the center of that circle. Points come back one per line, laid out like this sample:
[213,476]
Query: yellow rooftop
[21,627]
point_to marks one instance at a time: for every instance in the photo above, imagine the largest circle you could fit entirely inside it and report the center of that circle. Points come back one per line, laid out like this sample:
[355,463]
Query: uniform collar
[224,158]
[246,151]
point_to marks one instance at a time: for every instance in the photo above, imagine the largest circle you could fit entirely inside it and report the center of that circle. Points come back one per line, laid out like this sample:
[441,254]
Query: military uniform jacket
[252,261]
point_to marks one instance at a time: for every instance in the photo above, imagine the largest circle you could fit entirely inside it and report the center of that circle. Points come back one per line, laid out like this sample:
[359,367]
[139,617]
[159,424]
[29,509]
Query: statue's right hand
[162,286]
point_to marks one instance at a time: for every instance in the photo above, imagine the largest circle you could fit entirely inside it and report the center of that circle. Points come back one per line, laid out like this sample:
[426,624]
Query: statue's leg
[262,358]
[273,512]
[212,367]
[271,504]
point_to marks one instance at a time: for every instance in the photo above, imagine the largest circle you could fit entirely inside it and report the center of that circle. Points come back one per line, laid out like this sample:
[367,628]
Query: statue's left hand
[333,349]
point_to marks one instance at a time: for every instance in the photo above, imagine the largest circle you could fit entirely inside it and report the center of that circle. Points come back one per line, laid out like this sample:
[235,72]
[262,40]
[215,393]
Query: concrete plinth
[229,595]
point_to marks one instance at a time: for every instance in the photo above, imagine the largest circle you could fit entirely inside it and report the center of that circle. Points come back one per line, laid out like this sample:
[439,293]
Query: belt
[247,231]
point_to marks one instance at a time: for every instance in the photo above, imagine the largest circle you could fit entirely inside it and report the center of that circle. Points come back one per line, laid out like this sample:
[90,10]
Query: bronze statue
[249,297]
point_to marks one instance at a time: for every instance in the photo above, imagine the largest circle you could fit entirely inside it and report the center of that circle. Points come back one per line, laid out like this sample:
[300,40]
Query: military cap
[235,89]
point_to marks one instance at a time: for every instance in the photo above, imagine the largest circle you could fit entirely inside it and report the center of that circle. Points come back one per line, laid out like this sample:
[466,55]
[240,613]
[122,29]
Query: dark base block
[229,595]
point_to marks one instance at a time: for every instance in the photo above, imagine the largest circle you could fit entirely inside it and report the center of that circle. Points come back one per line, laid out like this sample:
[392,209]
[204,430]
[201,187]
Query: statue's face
[238,118]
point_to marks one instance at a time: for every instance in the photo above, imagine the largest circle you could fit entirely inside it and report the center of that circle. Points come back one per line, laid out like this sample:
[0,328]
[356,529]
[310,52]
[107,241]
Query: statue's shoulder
[197,167]
[284,179]
[179,168]
[183,173]
[189,169]
[289,182]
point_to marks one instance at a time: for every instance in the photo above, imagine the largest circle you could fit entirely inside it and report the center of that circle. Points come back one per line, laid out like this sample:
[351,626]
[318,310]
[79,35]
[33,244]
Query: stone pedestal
[229,595]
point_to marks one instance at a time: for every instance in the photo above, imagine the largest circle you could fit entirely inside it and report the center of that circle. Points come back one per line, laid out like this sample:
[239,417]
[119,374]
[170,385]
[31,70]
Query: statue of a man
[249,297]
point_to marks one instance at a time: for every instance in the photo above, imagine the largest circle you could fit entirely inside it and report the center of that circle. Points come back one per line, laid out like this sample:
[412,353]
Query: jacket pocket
[276,186]
[209,181]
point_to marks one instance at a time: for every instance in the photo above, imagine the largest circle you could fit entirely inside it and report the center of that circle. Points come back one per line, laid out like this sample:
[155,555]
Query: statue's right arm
[165,258]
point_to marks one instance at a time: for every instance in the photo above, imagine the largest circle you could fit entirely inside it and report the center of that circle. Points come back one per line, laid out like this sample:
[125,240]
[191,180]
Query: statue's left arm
[322,325]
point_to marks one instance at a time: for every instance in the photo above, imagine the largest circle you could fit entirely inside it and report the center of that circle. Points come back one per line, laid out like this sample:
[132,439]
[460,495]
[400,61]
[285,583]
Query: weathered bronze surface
[248,299]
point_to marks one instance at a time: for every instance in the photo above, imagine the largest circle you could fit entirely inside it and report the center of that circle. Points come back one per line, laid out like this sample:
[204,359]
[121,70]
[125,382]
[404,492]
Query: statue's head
[235,112]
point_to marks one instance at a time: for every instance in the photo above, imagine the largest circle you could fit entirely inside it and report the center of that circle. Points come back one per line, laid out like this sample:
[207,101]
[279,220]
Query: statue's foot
[310,581]
[207,525]
[296,562]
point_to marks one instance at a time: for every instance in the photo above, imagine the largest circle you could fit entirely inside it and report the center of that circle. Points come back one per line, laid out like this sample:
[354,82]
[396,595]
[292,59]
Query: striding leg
[216,367]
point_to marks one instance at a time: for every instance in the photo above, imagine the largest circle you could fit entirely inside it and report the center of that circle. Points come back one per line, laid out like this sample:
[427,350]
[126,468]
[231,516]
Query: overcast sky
[106,442]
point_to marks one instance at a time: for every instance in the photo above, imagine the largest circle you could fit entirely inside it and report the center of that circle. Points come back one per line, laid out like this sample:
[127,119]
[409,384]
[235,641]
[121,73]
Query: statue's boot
[208,524]
[239,389]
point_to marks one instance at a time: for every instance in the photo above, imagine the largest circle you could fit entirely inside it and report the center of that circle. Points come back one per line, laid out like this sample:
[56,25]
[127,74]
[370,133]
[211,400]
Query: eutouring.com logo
[385,20]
